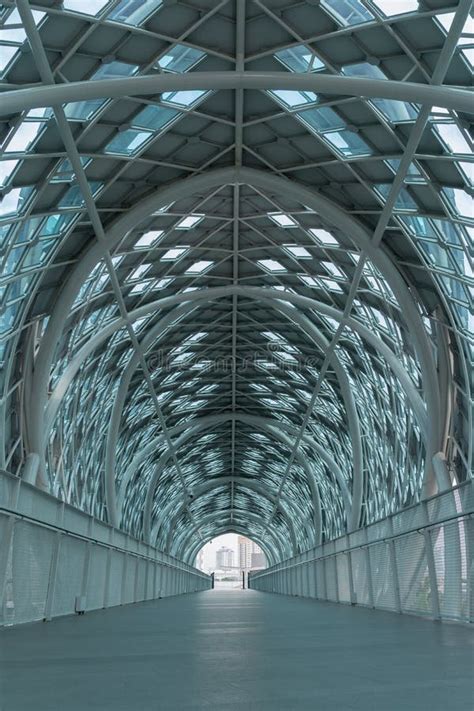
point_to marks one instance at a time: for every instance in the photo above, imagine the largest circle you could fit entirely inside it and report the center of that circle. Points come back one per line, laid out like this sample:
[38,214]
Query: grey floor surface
[236,650]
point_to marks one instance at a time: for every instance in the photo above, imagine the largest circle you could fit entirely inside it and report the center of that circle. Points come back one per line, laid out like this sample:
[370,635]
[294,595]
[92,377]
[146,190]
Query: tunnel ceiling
[242,304]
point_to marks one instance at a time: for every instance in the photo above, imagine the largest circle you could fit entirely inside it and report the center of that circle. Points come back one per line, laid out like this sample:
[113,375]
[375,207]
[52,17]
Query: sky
[229,540]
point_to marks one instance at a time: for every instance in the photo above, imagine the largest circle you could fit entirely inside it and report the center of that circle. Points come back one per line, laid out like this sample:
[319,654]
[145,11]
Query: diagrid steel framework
[237,280]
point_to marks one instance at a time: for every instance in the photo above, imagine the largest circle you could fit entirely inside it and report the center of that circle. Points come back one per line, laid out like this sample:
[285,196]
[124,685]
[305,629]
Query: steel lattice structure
[237,261]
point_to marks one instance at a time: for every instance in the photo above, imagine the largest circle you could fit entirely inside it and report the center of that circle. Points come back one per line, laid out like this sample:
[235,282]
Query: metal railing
[418,560]
[57,560]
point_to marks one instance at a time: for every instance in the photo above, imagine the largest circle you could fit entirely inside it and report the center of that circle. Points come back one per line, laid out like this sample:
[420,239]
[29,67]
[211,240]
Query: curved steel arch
[243,482]
[324,207]
[204,424]
[54,95]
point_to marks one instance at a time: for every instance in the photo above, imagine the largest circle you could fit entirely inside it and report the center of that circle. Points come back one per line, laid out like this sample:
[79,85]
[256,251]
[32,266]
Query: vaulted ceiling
[236,261]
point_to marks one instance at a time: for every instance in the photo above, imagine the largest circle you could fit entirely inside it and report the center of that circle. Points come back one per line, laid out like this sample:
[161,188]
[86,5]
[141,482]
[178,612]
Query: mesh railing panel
[417,561]
[44,566]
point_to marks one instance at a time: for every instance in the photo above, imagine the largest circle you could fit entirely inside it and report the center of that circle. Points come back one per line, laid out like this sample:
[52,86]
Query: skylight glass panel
[134,12]
[184,99]
[347,12]
[309,280]
[331,285]
[148,239]
[85,7]
[154,117]
[174,253]
[83,110]
[297,251]
[322,119]
[114,70]
[199,267]
[396,7]
[139,271]
[7,52]
[348,143]
[467,170]
[14,35]
[394,111]
[453,138]
[299,59]
[459,201]
[141,286]
[324,237]
[404,200]
[188,222]
[332,269]
[292,99]
[282,219]
[271,265]
[413,175]
[6,170]
[127,142]
[24,136]
[14,201]
[162,283]
[180,58]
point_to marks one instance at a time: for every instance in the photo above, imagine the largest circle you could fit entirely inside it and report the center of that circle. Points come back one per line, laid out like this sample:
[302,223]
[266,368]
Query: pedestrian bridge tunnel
[236,297]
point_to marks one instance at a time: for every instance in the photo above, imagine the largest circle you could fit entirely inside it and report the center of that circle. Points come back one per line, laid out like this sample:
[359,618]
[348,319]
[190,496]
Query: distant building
[224,557]
[200,560]
[251,556]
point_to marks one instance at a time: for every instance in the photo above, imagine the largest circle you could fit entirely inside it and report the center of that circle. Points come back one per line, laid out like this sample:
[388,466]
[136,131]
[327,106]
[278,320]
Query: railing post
[7,542]
[53,570]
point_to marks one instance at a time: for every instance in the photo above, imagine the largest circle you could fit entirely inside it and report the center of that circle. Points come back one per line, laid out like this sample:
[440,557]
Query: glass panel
[282,219]
[86,7]
[185,99]
[347,12]
[127,142]
[180,58]
[114,70]
[134,12]
[293,99]
[154,117]
[323,119]
[271,265]
[404,200]
[453,138]
[459,201]
[396,7]
[83,110]
[299,59]
[395,111]
[348,143]
[6,170]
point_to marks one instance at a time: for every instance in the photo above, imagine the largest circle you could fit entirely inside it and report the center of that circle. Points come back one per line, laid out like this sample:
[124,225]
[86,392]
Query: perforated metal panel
[96,578]
[413,575]
[343,587]
[30,572]
[69,575]
[360,576]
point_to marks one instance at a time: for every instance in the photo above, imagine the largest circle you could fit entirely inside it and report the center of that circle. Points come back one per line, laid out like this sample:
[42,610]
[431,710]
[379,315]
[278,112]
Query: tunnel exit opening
[230,558]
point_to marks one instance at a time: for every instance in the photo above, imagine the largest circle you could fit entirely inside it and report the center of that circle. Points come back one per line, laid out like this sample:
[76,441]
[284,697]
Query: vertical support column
[352,592]
[370,582]
[108,567]
[7,543]
[53,570]
[396,583]
[124,579]
[432,574]
[336,576]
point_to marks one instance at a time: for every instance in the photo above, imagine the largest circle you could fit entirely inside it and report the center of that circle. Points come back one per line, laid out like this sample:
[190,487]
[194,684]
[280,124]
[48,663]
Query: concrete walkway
[240,650]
